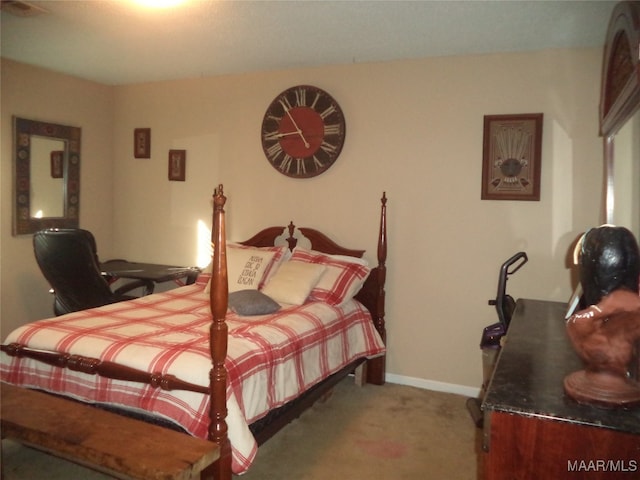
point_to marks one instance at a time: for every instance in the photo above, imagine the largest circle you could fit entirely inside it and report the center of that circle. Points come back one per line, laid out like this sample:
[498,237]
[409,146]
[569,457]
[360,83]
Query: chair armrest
[148,286]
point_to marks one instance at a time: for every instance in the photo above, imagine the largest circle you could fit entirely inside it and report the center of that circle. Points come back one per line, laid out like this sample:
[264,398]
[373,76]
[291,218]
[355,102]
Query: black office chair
[68,259]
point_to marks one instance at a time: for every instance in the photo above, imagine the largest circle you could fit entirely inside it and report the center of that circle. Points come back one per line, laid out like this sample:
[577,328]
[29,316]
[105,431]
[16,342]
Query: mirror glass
[620,117]
[626,176]
[47,176]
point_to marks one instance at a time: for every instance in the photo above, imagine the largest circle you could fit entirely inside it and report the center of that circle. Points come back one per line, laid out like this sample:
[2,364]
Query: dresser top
[528,377]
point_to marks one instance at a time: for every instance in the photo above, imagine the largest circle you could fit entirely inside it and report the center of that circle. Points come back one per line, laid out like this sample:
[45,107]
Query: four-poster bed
[229,346]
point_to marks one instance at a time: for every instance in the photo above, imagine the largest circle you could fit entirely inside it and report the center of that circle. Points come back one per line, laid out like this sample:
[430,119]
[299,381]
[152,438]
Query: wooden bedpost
[376,368]
[219,294]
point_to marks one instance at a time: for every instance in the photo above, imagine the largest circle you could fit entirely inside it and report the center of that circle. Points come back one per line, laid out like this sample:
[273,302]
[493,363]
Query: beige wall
[43,95]
[414,130]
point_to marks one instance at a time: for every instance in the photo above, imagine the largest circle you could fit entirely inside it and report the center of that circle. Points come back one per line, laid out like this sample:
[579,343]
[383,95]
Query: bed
[220,359]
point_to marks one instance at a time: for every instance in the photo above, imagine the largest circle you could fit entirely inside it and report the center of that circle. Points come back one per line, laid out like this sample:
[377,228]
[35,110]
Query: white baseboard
[433,385]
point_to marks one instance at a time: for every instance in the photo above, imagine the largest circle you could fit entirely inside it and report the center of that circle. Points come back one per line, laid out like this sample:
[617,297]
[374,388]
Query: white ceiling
[119,42]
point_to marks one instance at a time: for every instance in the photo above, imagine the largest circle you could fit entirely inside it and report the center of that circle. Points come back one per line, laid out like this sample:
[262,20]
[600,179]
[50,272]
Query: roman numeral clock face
[303,132]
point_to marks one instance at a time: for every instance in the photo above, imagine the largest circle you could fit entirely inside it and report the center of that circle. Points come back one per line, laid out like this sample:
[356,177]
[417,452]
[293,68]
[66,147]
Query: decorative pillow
[342,278]
[248,268]
[252,302]
[279,255]
[293,281]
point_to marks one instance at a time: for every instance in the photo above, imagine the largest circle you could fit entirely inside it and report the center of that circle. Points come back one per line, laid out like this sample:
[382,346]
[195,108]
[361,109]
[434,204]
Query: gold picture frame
[512,151]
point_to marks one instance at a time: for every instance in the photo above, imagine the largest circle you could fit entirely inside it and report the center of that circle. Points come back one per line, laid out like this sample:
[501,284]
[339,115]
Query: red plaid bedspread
[271,359]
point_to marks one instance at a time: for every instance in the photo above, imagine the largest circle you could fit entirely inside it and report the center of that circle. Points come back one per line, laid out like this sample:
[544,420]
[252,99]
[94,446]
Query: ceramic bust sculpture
[606,334]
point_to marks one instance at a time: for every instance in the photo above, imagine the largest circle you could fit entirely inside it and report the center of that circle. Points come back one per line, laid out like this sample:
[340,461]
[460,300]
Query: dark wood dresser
[532,430]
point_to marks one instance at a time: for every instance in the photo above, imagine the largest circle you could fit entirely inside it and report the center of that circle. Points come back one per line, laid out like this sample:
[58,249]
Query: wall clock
[303,131]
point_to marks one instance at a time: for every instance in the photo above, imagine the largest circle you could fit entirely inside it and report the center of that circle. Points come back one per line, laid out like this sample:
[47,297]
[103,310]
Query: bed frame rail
[94,366]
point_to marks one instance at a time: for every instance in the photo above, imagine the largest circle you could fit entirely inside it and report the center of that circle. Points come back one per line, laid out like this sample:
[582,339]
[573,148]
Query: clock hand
[280,135]
[295,125]
[277,135]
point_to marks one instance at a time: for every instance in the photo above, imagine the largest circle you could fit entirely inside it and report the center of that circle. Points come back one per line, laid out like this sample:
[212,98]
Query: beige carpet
[391,432]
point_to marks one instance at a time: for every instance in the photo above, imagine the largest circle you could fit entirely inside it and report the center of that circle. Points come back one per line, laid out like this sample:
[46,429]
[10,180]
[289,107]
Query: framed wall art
[512,146]
[177,165]
[57,164]
[142,143]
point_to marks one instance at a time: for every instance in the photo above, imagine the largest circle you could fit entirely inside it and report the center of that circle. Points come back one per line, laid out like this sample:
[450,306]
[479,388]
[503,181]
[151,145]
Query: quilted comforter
[271,359]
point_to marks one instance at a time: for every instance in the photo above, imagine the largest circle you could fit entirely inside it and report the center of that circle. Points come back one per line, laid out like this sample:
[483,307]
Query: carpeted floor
[359,433]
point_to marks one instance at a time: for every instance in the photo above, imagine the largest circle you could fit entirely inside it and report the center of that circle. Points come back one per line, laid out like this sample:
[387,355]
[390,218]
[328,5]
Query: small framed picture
[142,143]
[57,164]
[177,165]
[511,157]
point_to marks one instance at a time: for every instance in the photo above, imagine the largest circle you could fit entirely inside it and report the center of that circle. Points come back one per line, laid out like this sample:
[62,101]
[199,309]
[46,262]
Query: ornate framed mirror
[619,117]
[47,176]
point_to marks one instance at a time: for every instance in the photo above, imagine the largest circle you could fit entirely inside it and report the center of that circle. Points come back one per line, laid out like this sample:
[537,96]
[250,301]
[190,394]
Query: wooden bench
[119,446]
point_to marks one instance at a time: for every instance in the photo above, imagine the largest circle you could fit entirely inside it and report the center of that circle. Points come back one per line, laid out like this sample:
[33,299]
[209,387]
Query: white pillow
[246,267]
[280,254]
[293,282]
